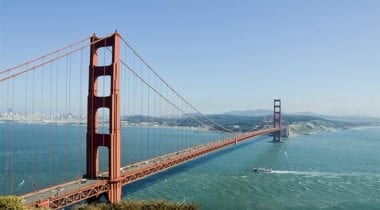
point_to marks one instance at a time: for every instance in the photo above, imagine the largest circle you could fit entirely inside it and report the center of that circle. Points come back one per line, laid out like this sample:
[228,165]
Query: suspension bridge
[74,129]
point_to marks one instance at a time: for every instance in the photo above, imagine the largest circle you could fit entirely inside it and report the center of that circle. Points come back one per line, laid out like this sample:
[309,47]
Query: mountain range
[264,112]
[243,121]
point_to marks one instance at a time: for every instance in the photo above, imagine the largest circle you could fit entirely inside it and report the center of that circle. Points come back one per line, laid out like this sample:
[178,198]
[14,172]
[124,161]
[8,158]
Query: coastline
[123,124]
[294,129]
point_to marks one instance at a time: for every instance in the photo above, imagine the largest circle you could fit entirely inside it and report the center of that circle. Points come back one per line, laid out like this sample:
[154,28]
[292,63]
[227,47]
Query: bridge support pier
[277,120]
[110,140]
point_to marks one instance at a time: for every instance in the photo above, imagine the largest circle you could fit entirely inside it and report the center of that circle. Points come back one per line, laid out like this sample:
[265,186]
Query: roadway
[56,191]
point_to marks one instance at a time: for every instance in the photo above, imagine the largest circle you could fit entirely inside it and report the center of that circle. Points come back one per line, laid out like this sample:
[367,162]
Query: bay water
[336,170]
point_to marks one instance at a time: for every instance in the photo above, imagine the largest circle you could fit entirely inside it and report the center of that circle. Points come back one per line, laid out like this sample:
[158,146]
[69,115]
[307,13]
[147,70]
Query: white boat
[263,170]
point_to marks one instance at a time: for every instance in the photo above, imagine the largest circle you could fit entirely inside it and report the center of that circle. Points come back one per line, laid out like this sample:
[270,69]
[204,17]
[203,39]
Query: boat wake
[324,174]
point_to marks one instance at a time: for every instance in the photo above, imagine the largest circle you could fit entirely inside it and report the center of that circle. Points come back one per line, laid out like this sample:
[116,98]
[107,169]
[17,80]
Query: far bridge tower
[277,120]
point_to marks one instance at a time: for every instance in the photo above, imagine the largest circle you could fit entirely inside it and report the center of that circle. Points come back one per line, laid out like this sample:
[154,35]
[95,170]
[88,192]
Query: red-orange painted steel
[277,120]
[112,102]
[116,176]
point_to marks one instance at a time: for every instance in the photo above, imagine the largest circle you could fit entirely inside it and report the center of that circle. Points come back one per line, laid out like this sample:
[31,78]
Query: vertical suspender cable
[25,152]
[141,149]
[79,172]
[128,136]
[175,130]
[178,127]
[135,114]
[124,89]
[169,111]
[128,103]
[7,150]
[175,112]
[155,114]
[41,167]
[56,114]
[161,140]
[33,133]
[66,119]
[148,113]
[13,138]
[50,137]
[69,138]
[183,131]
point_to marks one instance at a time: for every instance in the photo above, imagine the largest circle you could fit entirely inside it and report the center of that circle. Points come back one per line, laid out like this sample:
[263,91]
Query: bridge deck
[81,189]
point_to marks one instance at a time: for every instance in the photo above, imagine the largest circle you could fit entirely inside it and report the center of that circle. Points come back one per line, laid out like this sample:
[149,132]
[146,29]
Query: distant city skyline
[317,56]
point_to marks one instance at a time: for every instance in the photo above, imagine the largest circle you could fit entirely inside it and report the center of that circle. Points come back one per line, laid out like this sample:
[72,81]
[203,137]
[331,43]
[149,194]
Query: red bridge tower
[110,140]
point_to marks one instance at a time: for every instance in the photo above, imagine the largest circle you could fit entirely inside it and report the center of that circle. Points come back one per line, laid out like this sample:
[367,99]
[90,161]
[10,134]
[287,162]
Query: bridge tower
[277,120]
[110,140]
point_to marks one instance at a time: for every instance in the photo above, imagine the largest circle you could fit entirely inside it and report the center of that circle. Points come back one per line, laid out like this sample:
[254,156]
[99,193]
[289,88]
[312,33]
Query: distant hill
[356,119]
[250,113]
[234,123]
[240,121]
[306,114]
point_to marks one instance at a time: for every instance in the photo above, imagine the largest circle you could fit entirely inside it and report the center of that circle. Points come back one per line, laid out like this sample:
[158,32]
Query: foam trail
[324,174]
[306,173]
[286,156]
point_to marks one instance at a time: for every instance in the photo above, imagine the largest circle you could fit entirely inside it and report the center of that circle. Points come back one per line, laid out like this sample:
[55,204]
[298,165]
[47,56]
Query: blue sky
[321,56]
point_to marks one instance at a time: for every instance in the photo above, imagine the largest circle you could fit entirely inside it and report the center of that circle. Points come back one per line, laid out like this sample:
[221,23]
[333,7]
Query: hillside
[305,125]
[299,124]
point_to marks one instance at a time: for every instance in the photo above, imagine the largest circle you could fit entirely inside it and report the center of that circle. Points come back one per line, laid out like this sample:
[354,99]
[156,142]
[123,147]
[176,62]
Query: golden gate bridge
[125,108]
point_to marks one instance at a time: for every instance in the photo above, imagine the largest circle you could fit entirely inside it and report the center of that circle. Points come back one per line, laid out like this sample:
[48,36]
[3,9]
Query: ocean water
[337,170]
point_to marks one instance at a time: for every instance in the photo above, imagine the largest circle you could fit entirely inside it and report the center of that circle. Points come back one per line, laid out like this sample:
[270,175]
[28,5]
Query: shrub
[11,202]
[139,205]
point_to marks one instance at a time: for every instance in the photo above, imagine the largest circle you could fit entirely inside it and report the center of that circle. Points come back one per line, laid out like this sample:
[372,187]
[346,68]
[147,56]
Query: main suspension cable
[44,56]
[46,62]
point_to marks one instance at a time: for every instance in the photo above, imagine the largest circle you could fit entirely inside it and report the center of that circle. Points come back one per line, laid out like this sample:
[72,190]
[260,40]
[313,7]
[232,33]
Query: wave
[21,183]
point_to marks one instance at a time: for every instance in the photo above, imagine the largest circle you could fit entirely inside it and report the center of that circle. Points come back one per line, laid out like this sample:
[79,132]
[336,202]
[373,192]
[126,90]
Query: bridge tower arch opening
[277,120]
[95,138]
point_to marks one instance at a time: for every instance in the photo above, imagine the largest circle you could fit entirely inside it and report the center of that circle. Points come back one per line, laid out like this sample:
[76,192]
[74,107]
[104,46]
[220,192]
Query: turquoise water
[337,170]
[34,156]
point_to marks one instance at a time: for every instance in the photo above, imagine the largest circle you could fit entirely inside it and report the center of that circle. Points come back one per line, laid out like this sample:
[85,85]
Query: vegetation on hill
[11,202]
[246,123]
[231,122]
[141,205]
